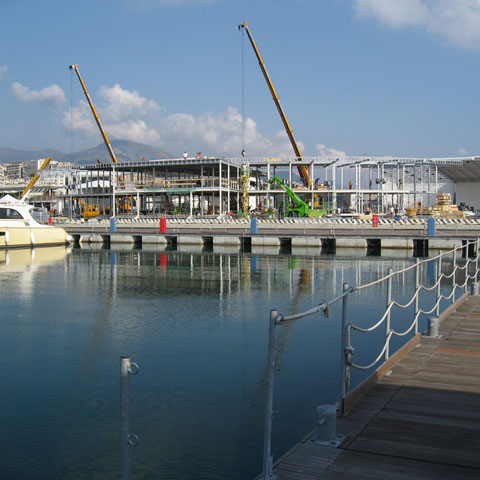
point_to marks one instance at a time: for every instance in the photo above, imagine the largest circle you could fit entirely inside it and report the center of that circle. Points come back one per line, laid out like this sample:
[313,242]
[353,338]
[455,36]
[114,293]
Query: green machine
[295,206]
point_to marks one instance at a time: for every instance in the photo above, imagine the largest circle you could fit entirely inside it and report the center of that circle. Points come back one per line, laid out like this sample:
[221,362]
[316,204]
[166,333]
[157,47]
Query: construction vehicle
[295,206]
[97,118]
[302,169]
[89,211]
[35,178]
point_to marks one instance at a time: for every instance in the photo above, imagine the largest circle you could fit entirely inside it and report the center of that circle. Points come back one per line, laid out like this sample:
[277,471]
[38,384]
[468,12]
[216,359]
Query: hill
[125,151]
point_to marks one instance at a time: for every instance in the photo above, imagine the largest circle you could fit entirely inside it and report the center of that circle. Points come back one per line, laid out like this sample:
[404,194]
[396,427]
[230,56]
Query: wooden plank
[358,466]
[355,394]
[427,454]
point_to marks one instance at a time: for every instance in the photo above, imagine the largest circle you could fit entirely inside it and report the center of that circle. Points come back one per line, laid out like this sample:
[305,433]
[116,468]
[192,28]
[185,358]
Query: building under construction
[259,186]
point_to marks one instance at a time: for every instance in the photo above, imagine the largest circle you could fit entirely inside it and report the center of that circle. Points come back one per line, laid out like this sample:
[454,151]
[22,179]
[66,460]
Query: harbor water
[196,323]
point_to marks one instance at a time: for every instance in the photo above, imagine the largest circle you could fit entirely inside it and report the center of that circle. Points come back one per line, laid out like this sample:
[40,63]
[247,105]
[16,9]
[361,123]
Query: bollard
[113,224]
[431,226]
[475,289]
[326,428]
[253,226]
[375,220]
[433,326]
[163,225]
[50,220]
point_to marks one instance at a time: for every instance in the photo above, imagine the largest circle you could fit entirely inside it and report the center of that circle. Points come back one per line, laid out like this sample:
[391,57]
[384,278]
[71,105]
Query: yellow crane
[302,169]
[34,179]
[97,118]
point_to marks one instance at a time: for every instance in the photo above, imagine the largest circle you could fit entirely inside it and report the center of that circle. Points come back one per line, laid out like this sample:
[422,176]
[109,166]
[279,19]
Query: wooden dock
[422,421]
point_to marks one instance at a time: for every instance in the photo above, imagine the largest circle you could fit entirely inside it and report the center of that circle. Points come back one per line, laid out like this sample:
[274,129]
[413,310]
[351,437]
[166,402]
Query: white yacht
[19,229]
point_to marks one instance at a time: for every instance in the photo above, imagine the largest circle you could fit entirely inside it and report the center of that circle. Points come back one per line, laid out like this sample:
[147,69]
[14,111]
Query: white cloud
[127,115]
[395,13]
[3,70]
[328,152]
[456,21]
[221,134]
[52,94]
[122,113]
[463,151]
[121,104]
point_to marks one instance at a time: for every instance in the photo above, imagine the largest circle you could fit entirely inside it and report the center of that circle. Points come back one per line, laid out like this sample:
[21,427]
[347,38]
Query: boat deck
[420,422]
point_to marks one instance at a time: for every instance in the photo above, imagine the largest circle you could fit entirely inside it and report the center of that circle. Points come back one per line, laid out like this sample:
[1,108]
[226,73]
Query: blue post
[253,226]
[253,264]
[113,224]
[431,226]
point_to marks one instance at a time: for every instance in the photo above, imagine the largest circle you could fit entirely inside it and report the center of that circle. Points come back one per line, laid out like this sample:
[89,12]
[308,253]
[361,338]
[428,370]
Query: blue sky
[381,77]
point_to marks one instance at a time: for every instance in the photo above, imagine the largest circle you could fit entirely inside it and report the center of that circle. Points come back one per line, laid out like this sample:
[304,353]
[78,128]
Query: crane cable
[71,116]
[243,90]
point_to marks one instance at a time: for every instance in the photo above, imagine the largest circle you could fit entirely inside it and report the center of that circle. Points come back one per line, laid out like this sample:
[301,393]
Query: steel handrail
[347,351]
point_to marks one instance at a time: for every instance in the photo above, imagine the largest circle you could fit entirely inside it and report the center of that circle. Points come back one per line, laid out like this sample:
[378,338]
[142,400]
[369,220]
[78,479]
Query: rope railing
[347,349]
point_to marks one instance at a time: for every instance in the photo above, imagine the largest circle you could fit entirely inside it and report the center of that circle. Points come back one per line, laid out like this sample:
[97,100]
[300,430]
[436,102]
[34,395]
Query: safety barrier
[330,222]
[347,349]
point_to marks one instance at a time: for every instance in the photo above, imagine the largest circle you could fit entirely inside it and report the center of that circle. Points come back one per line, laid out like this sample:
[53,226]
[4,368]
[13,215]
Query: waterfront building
[225,186]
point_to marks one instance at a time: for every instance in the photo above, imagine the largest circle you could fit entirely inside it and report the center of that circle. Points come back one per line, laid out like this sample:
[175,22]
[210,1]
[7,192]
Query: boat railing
[464,273]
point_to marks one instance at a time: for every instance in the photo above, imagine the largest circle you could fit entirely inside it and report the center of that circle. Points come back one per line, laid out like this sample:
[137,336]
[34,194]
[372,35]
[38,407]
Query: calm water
[197,325]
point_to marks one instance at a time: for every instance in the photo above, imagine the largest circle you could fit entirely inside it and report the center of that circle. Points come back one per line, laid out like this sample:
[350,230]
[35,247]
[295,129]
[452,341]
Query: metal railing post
[387,319]
[343,351]
[267,440]
[476,262]
[454,280]
[467,267]
[417,284]
[439,291]
[127,368]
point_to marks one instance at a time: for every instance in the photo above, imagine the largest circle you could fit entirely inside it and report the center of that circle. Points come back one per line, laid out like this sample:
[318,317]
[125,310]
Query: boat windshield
[10,213]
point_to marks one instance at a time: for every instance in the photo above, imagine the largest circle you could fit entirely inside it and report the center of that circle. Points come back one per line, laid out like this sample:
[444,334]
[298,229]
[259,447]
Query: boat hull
[32,236]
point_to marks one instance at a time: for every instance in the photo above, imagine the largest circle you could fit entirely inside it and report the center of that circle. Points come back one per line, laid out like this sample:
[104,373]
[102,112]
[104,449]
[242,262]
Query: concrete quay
[330,234]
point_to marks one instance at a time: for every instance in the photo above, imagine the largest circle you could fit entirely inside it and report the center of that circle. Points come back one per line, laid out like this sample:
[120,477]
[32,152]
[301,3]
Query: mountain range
[125,151]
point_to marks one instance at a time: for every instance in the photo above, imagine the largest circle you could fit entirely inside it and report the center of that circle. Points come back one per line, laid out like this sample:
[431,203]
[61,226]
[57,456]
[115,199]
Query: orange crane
[35,178]
[97,118]
[302,169]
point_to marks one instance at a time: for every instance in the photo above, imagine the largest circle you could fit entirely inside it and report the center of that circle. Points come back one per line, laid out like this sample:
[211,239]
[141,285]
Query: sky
[354,77]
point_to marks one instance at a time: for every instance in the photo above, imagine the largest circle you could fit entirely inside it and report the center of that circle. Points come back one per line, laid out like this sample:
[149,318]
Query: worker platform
[421,421]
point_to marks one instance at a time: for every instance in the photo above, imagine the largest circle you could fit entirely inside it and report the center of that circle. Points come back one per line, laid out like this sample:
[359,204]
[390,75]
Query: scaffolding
[210,186]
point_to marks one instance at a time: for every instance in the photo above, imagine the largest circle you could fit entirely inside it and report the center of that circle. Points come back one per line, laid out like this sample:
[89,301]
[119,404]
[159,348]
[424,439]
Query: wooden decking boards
[420,422]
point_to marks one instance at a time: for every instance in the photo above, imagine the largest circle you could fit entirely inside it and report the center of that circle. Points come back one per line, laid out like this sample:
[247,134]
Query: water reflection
[197,325]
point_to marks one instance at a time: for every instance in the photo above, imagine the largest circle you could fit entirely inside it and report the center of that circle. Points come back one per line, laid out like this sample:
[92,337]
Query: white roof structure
[9,200]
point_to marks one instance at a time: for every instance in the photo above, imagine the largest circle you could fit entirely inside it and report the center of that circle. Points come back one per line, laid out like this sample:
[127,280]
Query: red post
[163,225]
[163,261]
[374,220]
[50,220]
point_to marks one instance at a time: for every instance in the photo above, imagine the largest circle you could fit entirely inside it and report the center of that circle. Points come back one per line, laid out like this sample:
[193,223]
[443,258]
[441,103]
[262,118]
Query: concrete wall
[469,194]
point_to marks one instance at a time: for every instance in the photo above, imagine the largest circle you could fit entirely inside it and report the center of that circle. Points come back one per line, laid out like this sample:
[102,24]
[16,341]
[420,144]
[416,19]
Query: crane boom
[302,169]
[35,178]
[97,118]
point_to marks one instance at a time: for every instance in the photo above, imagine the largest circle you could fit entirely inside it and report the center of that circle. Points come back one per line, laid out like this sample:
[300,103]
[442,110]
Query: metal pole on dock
[439,289]
[454,280]
[343,353]
[387,319]
[476,261]
[127,368]
[267,442]
[417,284]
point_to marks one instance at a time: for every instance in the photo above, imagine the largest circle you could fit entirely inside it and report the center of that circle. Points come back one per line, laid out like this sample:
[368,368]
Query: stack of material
[444,209]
